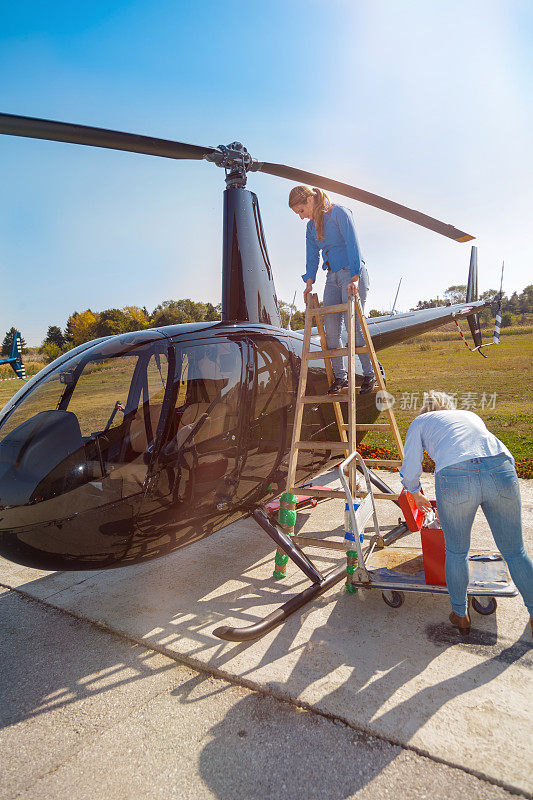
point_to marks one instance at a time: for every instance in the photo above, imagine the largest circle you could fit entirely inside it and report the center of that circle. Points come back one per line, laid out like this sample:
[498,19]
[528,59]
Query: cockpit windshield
[94,413]
[100,388]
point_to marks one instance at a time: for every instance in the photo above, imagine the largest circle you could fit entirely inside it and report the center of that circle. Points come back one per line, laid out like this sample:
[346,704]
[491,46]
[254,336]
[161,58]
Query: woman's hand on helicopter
[422,502]
[308,288]
[353,286]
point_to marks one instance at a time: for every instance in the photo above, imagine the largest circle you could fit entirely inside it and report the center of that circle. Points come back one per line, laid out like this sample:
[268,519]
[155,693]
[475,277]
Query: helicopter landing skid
[278,616]
[320,584]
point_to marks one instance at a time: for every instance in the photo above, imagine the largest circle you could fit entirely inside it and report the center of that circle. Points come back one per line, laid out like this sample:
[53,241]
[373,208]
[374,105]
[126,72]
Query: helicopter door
[196,474]
[268,434]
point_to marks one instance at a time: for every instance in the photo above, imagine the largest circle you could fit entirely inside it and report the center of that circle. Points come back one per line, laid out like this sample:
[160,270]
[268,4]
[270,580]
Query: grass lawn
[448,366]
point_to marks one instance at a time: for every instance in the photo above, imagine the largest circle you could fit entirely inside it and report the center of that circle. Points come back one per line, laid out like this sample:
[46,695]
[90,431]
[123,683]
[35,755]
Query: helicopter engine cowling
[248,293]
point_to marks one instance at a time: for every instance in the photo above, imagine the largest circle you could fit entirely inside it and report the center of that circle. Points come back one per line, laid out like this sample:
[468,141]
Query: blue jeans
[336,292]
[491,483]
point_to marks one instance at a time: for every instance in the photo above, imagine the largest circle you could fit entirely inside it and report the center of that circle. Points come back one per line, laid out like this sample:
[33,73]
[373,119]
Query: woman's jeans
[336,292]
[491,483]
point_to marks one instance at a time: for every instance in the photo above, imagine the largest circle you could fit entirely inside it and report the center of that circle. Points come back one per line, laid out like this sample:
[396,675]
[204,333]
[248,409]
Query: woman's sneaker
[338,385]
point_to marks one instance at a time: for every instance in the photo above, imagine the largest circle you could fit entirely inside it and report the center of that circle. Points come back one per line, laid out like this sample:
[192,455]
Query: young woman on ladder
[331,230]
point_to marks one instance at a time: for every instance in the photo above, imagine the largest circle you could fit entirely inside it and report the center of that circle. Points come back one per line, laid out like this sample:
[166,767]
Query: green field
[448,366]
[424,364]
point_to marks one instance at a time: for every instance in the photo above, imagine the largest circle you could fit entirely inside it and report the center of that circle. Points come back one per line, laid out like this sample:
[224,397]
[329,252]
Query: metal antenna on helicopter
[234,158]
[393,309]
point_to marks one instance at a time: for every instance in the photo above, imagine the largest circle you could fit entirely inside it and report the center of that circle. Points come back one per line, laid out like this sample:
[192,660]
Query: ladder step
[335,447]
[311,541]
[341,351]
[325,398]
[330,309]
[314,491]
[382,462]
[380,495]
[380,426]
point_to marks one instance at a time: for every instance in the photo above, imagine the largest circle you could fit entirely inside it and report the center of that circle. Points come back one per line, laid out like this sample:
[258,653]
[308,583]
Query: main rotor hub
[236,161]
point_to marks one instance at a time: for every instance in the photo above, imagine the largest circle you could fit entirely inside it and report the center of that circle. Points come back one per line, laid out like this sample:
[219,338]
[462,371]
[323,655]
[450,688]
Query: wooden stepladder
[347,428]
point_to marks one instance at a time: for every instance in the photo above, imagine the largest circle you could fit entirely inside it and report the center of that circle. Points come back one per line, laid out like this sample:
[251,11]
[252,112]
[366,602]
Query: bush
[524,467]
[50,351]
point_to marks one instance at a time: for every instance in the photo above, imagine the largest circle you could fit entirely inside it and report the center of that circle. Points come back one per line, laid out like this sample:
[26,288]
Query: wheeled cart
[400,570]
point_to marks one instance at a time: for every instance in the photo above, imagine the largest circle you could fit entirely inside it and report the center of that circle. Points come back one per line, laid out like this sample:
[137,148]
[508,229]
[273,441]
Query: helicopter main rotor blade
[33,128]
[293,174]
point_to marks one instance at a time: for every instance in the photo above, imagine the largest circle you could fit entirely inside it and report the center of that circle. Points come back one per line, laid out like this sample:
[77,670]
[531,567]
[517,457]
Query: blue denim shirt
[449,437]
[339,246]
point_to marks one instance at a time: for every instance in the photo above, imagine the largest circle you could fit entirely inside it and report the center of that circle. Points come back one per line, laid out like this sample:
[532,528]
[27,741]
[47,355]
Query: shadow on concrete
[50,660]
[264,749]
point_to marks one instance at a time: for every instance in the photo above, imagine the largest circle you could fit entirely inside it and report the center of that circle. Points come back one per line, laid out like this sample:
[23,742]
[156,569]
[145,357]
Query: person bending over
[472,468]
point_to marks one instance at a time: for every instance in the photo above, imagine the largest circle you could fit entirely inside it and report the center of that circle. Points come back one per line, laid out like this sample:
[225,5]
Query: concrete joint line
[237,680]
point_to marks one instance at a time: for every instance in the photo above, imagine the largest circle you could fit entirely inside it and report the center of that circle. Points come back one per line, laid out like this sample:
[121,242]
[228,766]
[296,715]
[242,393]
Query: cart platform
[402,569]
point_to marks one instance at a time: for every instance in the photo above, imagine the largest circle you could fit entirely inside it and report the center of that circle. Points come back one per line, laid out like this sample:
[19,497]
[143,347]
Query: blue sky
[428,103]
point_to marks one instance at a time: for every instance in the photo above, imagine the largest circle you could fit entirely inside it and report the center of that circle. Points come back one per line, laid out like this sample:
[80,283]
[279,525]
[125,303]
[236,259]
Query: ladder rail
[352,429]
[298,414]
[363,572]
[379,377]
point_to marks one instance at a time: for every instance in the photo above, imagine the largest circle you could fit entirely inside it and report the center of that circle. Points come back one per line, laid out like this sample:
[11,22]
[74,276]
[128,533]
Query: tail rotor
[15,357]
[471,295]
[473,319]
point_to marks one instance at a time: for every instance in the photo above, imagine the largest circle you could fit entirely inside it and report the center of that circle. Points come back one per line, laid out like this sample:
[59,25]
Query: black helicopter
[129,447]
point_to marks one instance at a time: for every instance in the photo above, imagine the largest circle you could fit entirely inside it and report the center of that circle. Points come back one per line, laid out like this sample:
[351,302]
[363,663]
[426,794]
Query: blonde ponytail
[322,206]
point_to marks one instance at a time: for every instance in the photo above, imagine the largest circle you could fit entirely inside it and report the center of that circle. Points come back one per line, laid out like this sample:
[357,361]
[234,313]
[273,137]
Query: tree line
[86,325]
[516,308]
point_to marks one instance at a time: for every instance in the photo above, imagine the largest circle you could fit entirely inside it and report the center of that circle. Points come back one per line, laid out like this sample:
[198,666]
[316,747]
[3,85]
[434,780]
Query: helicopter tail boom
[395,328]
[387,331]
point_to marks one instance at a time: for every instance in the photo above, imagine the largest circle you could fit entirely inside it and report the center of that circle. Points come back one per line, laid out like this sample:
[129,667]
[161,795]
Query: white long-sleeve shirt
[449,437]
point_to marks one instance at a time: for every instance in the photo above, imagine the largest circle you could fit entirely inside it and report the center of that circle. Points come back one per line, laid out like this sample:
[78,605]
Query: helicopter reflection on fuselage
[145,442]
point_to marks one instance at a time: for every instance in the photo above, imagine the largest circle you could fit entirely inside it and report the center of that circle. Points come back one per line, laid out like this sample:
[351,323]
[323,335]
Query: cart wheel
[486,608]
[393,599]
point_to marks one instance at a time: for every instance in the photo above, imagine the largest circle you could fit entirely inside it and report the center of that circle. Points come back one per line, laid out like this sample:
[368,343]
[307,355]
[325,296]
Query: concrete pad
[400,674]
[86,714]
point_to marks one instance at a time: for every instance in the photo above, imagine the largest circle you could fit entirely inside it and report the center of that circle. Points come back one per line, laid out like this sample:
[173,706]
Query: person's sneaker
[338,385]
[369,383]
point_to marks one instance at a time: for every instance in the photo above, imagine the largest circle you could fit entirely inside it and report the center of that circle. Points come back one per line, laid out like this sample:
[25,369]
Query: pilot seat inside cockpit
[203,446]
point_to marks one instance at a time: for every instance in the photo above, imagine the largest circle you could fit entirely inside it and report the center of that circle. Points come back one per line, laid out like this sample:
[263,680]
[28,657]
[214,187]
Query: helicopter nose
[57,504]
